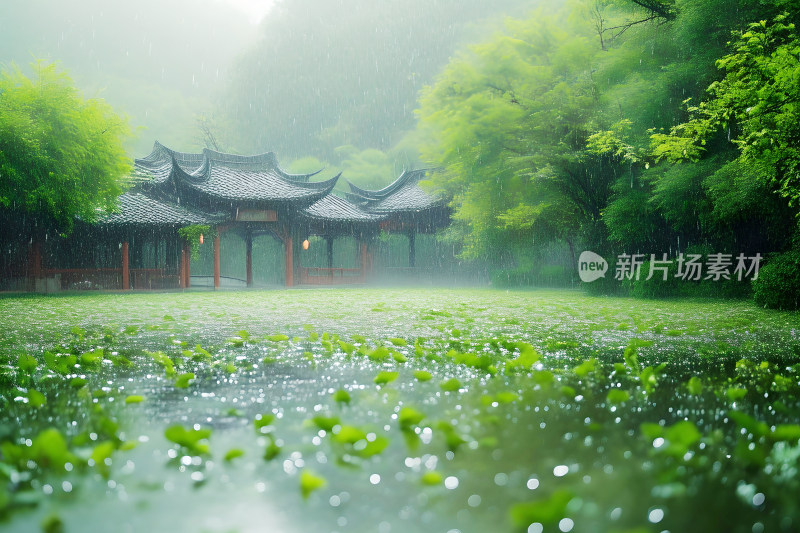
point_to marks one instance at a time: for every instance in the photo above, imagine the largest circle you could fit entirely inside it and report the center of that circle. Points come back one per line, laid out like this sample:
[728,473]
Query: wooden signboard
[256,215]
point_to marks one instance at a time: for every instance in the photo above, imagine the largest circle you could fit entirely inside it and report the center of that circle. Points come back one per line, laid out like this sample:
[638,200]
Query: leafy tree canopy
[757,103]
[61,155]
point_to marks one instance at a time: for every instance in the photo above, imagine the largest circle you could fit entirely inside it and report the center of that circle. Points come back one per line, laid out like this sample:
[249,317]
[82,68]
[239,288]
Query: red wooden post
[187,250]
[216,261]
[126,280]
[182,269]
[249,259]
[289,261]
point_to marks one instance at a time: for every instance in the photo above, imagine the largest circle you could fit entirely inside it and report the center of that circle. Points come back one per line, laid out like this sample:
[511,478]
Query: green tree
[511,121]
[756,104]
[61,155]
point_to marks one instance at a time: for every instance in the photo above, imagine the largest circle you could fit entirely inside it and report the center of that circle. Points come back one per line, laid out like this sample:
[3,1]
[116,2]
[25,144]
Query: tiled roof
[404,194]
[334,208]
[229,177]
[173,181]
[139,210]
[227,182]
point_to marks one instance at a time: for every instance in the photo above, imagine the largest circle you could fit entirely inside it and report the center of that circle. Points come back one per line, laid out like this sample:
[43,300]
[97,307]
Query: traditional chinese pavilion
[139,245]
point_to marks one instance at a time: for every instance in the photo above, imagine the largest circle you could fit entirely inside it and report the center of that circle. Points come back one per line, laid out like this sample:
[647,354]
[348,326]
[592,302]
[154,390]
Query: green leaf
[398,341]
[349,434]
[100,454]
[528,356]
[385,377]
[52,523]
[341,396]
[749,423]
[310,482]
[326,423]
[77,383]
[585,368]
[191,439]
[381,353]
[26,363]
[278,337]
[694,386]
[409,417]
[422,375]
[346,347]
[617,396]
[508,397]
[134,398]
[735,394]
[272,451]
[432,477]
[184,380]
[36,399]
[399,357]
[545,511]
[262,421]
[233,453]
[786,432]
[451,385]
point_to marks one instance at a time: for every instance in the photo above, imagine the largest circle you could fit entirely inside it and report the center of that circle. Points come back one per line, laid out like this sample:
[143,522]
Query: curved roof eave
[401,180]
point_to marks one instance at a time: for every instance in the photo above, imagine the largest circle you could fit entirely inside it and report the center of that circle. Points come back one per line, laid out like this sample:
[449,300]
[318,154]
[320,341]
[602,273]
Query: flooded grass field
[397,411]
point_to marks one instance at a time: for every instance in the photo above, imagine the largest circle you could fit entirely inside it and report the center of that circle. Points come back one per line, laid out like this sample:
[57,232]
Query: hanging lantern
[305,244]
[201,238]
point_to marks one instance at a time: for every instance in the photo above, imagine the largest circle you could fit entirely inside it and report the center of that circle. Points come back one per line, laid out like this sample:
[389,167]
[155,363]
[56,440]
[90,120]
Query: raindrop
[656,515]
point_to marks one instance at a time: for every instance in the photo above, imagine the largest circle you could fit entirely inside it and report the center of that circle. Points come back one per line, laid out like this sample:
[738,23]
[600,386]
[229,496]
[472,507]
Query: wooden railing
[111,278]
[154,278]
[86,278]
[330,276]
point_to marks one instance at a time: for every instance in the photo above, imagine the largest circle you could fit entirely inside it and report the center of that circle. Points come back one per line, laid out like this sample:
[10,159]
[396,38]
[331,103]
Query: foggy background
[327,83]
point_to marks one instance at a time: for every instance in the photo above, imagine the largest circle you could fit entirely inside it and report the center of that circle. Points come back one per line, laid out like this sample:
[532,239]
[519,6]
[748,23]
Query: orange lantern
[305,244]
[201,238]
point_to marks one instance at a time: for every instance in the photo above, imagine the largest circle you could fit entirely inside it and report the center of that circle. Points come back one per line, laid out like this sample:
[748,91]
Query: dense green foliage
[758,100]
[563,129]
[192,234]
[61,155]
[778,283]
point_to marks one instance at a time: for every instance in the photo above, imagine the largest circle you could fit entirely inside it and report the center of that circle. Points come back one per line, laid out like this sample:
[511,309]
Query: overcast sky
[254,9]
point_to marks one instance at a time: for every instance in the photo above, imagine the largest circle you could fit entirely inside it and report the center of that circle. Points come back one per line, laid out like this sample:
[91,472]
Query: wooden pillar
[329,242]
[412,253]
[126,273]
[36,259]
[248,244]
[287,242]
[187,267]
[364,263]
[182,269]
[216,261]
